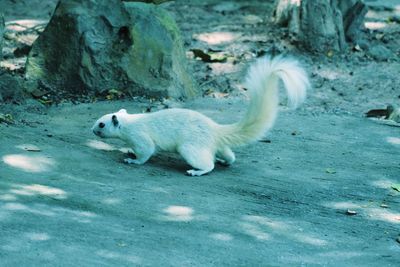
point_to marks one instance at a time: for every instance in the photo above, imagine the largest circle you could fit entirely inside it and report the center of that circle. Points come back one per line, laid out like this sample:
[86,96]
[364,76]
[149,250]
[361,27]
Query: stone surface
[380,53]
[10,87]
[96,46]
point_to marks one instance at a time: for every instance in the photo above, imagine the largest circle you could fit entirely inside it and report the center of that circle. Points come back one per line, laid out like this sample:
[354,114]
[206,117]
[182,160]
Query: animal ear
[114,120]
[123,111]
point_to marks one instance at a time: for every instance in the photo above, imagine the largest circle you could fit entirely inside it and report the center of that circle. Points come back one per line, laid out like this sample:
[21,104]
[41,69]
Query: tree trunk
[322,25]
[1,35]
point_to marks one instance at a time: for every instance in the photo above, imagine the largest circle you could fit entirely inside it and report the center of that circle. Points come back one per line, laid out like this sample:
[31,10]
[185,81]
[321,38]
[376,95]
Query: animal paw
[195,172]
[131,161]
[223,162]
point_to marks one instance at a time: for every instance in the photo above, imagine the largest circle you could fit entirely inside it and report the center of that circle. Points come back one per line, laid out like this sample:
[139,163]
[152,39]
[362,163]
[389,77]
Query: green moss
[34,68]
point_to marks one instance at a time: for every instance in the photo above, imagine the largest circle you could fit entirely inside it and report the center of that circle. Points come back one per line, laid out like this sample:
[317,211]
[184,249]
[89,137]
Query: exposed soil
[317,191]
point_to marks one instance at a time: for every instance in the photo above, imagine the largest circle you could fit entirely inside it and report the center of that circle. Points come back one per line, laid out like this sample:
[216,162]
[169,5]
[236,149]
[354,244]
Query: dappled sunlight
[178,213]
[76,215]
[24,24]
[100,145]
[8,197]
[341,205]
[111,201]
[13,64]
[384,183]
[80,216]
[37,189]
[306,239]
[37,236]
[266,221]
[263,228]
[224,68]
[29,163]
[30,192]
[385,215]
[393,140]
[255,231]
[18,207]
[221,236]
[376,25]
[368,209]
[14,206]
[118,256]
[216,38]
[329,74]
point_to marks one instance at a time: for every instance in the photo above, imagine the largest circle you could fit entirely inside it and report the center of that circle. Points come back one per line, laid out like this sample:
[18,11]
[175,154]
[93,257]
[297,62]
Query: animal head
[109,125]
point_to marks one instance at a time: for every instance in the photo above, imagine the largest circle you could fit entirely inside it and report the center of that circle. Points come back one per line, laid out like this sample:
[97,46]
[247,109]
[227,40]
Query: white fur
[197,138]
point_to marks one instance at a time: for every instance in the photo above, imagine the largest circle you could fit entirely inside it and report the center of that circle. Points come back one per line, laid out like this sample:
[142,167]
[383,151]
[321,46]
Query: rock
[225,7]
[364,44]
[96,46]
[394,115]
[380,53]
[10,87]
[1,35]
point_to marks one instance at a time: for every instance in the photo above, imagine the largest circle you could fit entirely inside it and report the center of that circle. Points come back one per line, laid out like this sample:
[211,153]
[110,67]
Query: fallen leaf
[6,118]
[219,95]
[30,148]
[396,187]
[210,56]
[379,36]
[39,93]
[33,149]
[114,94]
[377,113]
[122,244]
[45,102]
[330,170]
[351,212]
[357,48]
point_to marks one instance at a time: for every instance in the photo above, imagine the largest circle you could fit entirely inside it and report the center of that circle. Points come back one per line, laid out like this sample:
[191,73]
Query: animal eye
[101,125]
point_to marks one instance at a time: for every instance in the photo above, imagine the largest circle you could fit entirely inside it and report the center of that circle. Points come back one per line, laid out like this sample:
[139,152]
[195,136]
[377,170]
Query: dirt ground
[317,191]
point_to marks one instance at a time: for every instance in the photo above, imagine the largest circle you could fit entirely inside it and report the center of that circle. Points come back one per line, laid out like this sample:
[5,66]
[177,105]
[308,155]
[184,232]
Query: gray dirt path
[283,203]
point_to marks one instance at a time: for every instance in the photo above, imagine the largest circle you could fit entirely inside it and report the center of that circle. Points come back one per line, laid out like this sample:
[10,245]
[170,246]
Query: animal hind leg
[201,159]
[225,156]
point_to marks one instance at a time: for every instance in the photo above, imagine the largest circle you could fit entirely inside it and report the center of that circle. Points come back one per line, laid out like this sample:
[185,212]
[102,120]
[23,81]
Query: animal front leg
[144,148]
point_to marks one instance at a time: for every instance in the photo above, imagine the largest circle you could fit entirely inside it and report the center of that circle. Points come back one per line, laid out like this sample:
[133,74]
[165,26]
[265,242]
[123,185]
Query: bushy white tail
[262,84]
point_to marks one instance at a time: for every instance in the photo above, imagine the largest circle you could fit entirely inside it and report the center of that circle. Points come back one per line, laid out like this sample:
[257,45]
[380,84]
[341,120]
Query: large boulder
[98,45]
[11,86]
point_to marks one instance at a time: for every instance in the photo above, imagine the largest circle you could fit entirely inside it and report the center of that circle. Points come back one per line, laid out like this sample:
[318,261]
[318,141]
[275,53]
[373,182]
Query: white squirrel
[197,138]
